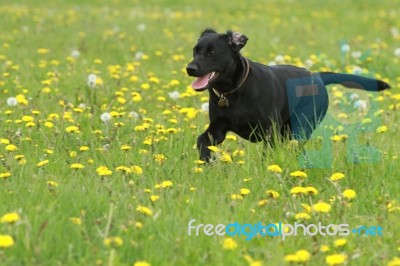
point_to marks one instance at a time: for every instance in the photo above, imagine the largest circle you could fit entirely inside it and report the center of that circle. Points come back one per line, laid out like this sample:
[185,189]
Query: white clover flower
[205,107]
[91,80]
[174,95]
[12,101]
[105,117]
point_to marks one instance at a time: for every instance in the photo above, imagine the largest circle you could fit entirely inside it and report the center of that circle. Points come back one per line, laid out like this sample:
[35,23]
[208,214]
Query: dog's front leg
[214,135]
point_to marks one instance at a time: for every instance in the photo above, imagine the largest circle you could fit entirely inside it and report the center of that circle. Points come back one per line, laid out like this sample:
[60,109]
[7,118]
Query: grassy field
[98,158]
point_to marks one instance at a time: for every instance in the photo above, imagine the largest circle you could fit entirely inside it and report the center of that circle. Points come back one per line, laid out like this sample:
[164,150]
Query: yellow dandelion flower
[144,210]
[214,148]
[306,207]
[324,248]
[11,147]
[166,184]
[4,141]
[335,259]
[137,170]
[84,148]
[10,218]
[141,263]
[394,262]
[300,256]
[154,198]
[159,158]
[77,166]
[42,163]
[115,241]
[72,129]
[244,191]
[299,174]
[42,51]
[336,176]
[274,168]
[6,241]
[349,194]
[103,171]
[229,244]
[236,197]
[321,207]
[272,194]
[302,216]
[75,220]
[382,129]
[52,184]
[5,175]
[340,242]
[231,137]
[198,170]
[124,169]
[126,147]
[226,158]
[262,202]
[48,124]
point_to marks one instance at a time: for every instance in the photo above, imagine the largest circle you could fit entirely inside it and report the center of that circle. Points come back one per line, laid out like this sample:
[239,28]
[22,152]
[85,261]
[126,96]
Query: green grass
[107,36]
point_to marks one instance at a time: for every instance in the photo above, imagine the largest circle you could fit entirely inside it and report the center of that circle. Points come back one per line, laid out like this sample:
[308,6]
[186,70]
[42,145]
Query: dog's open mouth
[201,83]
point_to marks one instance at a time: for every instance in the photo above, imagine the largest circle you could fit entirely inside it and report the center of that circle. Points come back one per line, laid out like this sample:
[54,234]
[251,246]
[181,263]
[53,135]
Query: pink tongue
[200,82]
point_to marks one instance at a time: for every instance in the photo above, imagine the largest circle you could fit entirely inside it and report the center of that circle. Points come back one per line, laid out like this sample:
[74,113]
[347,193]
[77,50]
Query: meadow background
[99,124]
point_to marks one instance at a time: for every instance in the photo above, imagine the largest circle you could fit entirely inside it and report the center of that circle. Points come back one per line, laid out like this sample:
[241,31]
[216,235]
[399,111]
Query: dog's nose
[191,69]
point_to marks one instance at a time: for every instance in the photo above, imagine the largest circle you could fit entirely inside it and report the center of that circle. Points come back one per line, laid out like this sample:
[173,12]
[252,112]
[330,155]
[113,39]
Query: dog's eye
[211,52]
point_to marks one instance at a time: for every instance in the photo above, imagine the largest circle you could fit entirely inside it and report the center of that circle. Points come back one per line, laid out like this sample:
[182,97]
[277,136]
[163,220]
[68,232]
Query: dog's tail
[353,81]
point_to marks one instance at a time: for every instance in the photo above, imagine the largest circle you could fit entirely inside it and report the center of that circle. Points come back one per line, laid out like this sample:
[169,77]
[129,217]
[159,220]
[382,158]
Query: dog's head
[213,56]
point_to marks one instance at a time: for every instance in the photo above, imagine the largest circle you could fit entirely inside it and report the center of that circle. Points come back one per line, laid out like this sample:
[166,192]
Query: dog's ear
[207,31]
[236,40]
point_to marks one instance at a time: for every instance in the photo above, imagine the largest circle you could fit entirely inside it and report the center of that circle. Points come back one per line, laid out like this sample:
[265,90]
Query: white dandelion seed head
[354,96]
[205,107]
[105,117]
[133,115]
[91,80]
[360,105]
[279,59]
[357,70]
[272,63]
[141,27]
[82,105]
[345,48]
[397,52]
[75,53]
[309,63]
[106,147]
[394,31]
[139,55]
[174,95]
[356,54]
[12,101]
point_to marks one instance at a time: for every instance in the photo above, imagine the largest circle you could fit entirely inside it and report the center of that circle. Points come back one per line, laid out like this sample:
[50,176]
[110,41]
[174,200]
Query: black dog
[254,100]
